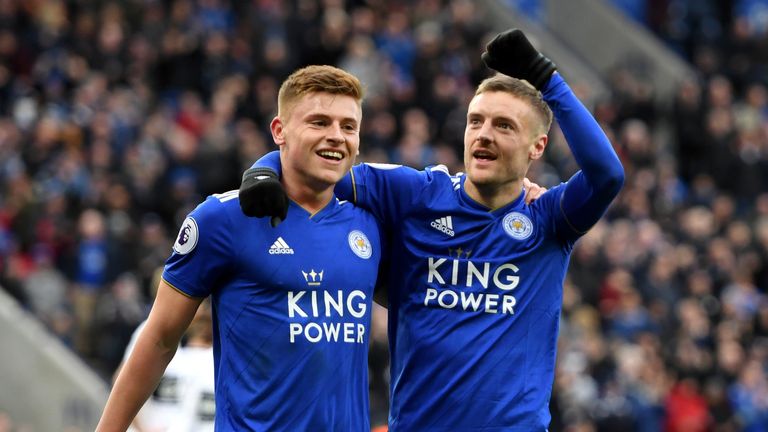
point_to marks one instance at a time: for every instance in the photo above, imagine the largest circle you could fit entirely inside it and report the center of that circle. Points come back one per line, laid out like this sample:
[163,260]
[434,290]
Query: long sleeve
[590,191]
[344,188]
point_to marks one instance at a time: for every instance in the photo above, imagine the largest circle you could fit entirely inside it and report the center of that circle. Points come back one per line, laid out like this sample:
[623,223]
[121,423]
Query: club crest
[360,244]
[518,225]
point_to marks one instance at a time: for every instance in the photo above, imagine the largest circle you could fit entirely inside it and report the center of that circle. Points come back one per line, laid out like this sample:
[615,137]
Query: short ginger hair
[317,79]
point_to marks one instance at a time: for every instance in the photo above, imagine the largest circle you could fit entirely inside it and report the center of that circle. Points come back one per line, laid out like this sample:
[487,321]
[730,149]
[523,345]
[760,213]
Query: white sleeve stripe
[227,196]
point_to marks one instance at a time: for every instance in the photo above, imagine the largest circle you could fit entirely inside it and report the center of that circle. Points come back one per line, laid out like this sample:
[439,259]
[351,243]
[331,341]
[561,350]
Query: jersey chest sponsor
[455,284]
[327,316]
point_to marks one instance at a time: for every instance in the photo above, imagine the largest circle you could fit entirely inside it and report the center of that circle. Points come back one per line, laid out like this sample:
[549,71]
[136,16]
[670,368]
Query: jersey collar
[329,209]
[467,200]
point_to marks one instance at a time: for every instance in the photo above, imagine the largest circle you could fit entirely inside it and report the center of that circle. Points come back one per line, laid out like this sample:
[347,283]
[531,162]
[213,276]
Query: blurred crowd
[665,323]
[118,117]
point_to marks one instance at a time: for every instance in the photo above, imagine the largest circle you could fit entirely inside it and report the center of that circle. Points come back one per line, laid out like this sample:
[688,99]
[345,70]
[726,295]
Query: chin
[479,179]
[330,178]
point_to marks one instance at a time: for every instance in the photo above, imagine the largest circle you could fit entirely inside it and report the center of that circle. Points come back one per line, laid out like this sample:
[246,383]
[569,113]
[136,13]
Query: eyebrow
[322,115]
[493,117]
[506,119]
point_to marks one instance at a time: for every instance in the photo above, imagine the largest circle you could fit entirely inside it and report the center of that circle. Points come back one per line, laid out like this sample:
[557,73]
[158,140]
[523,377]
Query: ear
[537,148]
[276,127]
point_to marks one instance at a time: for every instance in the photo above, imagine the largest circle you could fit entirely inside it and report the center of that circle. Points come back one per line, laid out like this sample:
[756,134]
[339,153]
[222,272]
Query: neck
[494,196]
[311,199]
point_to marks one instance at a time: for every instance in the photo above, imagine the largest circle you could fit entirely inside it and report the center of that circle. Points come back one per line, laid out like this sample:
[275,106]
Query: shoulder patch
[187,238]
[227,196]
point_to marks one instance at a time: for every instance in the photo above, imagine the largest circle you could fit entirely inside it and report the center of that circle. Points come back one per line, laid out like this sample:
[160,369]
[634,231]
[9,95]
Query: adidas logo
[280,247]
[443,224]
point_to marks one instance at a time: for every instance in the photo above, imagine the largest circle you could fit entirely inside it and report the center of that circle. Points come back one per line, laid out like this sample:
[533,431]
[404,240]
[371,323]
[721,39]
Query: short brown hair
[522,90]
[316,78]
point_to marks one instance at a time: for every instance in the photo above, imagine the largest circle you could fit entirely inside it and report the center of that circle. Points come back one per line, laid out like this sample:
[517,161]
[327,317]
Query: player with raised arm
[291,306]
[476,276]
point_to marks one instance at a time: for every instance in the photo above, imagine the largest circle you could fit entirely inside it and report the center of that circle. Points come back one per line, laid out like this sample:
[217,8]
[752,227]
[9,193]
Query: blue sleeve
[344,189]
[385,190]
[202,251]
[270,160]
[590,191]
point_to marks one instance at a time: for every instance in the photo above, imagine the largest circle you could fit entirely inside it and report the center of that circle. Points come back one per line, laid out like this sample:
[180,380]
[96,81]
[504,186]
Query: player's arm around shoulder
[389,191]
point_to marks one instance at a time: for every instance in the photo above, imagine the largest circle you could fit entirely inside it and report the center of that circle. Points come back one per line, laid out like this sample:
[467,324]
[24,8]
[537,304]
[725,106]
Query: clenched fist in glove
[261,194]
[513,55]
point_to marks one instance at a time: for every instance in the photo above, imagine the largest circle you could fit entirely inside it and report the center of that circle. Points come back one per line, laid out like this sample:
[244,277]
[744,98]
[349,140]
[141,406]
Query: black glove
[512,54]
[261,194]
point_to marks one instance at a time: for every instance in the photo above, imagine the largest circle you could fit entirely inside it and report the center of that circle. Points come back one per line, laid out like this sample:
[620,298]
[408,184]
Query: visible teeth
[483,155]
[331,154]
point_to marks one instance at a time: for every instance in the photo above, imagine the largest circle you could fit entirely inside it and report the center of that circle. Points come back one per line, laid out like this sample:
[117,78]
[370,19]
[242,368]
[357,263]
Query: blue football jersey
[474,301]
[291,311]
[475,295]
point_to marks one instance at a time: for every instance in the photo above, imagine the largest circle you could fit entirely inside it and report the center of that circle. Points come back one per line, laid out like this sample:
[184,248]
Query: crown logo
[313,278]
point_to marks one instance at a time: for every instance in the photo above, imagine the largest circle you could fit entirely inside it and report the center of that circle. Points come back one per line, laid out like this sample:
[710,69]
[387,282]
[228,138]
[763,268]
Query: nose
[335,134]
[484,133]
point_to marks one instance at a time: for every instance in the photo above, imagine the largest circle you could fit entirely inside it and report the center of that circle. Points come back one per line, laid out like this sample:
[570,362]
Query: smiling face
[319,136]
[504,134]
